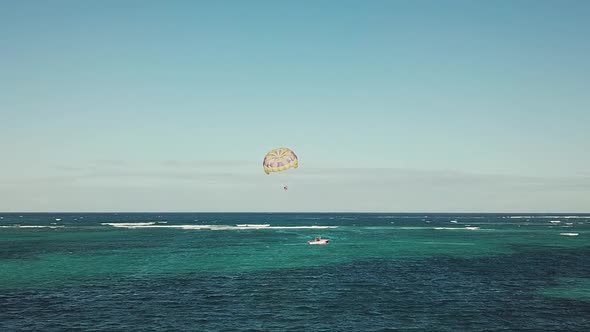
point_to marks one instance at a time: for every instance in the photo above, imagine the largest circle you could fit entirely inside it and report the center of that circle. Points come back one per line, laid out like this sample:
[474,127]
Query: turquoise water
[380,272]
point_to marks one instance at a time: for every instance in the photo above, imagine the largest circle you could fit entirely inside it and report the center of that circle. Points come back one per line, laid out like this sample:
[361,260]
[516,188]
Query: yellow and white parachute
[280,159]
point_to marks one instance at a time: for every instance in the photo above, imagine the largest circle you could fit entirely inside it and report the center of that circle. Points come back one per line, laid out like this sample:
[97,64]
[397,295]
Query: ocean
[379,272]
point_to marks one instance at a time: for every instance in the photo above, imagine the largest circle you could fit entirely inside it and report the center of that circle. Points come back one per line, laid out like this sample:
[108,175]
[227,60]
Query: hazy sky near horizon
[390,105]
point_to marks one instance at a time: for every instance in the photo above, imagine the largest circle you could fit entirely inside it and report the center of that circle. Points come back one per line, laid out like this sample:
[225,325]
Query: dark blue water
[380,272]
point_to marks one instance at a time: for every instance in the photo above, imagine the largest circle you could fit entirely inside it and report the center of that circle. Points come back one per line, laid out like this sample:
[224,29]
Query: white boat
[569,234]
[318,240]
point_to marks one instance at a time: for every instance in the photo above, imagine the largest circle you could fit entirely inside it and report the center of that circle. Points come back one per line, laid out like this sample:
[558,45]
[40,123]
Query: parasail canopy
[280,159]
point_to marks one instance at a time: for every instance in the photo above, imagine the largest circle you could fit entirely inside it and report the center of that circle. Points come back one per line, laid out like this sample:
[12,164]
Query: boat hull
[318,242]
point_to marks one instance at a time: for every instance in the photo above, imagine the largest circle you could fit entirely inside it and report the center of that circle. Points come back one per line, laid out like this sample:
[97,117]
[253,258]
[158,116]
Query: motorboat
[319,240]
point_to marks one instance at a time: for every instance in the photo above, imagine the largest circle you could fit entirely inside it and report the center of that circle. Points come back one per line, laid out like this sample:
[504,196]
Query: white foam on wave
[211,227]
[472,228]
[30,226]
[155,225]
[301,227]
[410,227]
[253,225]
[569,234]
[550,216]
[128,224]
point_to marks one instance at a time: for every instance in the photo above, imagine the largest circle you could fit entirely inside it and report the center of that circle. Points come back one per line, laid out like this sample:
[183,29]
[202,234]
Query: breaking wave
[31,226]
[211,227]
[551,216]
[471,228]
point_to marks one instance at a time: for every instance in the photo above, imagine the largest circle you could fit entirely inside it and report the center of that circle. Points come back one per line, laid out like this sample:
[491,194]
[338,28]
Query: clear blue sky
[390,105]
